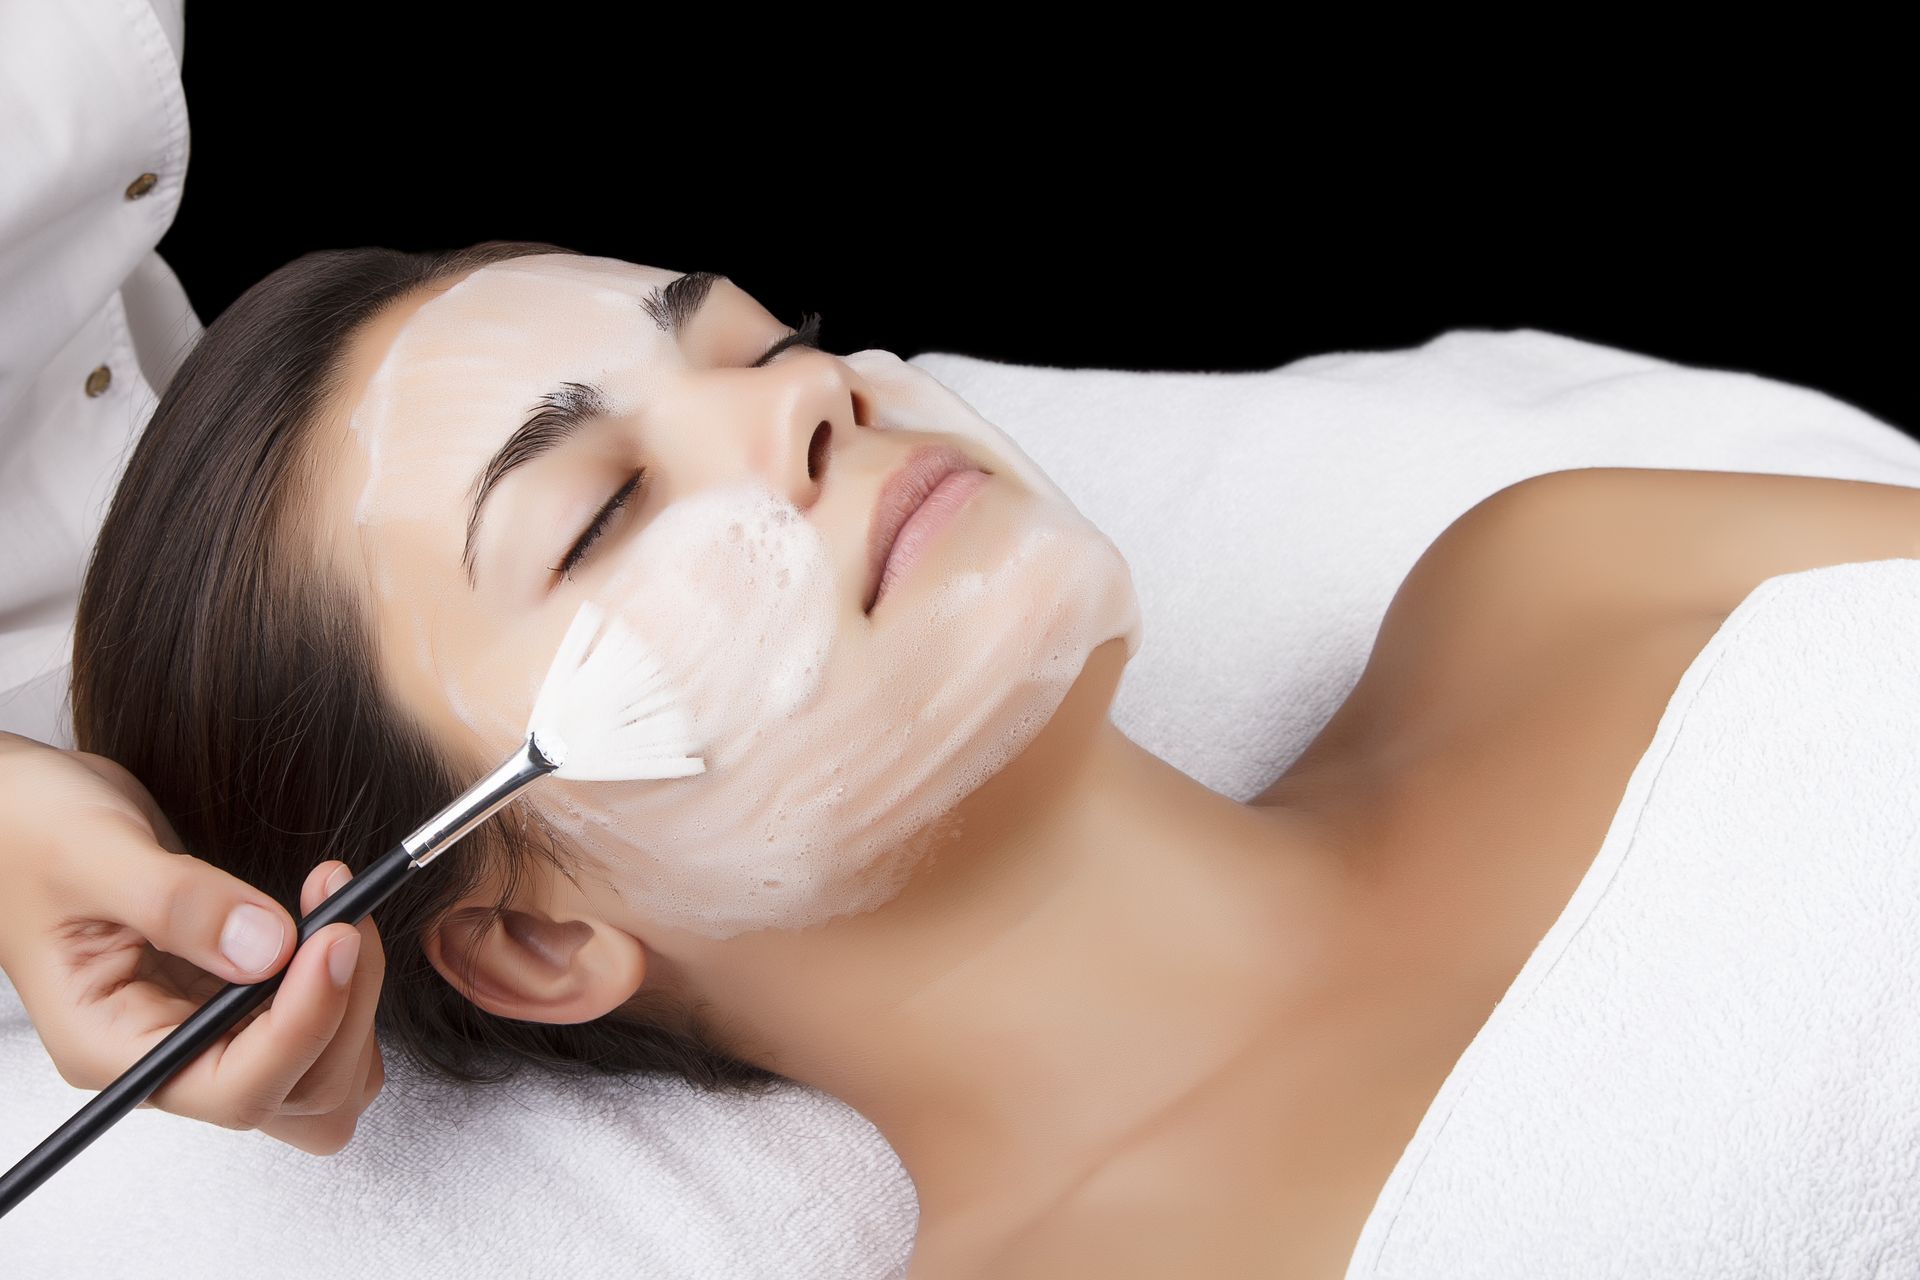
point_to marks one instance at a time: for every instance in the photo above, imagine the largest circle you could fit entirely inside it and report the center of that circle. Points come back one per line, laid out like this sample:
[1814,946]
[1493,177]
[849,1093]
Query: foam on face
[834,744]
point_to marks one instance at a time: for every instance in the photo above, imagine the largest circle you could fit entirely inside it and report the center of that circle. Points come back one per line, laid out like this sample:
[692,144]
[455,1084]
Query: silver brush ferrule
[480,802]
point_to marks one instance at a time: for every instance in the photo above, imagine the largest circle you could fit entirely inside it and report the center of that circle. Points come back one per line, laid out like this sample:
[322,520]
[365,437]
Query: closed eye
[807,335]
[598,525]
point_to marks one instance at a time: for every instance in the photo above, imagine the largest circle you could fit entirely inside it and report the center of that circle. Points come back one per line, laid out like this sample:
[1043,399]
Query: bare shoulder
[1555,561]
[1703,540]
[1444,612]
[1490,587]
[1580,552]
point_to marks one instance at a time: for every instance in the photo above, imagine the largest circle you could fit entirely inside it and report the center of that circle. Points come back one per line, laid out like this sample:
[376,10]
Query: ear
[530,966]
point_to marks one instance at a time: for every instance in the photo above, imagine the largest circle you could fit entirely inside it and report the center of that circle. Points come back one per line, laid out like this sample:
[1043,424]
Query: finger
[131,787]
[328,1133]
[319,1134]
[242,1080]
[182,905]
[362,1094]
[335,1078]
[323,1135]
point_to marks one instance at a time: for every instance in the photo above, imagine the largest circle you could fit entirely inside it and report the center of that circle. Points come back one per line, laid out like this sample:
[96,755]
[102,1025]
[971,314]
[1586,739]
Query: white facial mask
[834,745]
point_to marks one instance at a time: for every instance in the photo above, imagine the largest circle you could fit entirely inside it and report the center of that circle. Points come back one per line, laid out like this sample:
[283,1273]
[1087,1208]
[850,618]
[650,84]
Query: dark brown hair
[217,660]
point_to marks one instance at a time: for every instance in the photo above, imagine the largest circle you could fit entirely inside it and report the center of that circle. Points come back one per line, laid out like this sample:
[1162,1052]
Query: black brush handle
[367,890]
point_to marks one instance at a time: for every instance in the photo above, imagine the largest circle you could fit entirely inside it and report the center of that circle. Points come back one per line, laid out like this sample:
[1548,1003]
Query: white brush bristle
[607,700]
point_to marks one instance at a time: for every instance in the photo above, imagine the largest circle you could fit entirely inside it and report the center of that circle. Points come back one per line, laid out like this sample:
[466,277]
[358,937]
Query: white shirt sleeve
[92,321]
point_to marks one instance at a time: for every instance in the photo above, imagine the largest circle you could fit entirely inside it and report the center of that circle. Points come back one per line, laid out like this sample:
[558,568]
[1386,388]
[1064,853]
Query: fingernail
[252,938]
[340,960]
[339,877]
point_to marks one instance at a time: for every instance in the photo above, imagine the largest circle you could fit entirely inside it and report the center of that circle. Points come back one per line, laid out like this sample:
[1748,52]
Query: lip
[901,496]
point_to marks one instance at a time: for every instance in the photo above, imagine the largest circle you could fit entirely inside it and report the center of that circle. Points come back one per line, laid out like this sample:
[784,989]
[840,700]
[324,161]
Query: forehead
[466,359]
[438,379]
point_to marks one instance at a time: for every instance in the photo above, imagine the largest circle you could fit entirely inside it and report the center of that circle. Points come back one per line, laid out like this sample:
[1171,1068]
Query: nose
[781,423]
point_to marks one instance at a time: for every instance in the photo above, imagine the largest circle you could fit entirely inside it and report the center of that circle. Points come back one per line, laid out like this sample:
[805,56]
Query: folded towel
[1324,480]
[1707,1066]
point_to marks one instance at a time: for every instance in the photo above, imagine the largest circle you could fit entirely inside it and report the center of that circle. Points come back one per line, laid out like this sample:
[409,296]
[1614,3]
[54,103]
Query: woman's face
[486,425]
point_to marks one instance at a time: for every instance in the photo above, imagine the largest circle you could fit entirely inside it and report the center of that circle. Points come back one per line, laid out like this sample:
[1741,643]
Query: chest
[1482,815]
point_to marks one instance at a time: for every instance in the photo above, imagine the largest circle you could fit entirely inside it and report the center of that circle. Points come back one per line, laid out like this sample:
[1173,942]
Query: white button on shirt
[93,154]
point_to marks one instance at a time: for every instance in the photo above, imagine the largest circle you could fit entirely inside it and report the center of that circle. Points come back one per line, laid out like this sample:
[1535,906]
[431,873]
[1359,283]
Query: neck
[1099,936]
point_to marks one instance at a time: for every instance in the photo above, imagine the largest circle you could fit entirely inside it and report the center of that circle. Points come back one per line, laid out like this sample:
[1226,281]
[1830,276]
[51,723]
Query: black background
[1024,208]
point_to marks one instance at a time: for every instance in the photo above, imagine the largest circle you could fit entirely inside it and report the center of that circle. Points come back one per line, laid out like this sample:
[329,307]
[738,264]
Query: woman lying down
[1112,1022]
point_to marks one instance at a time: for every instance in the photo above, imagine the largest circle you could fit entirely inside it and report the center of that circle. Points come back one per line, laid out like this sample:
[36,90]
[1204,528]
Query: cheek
[732,597]
[462,681]
[732,593]
[489,691]
[487,685]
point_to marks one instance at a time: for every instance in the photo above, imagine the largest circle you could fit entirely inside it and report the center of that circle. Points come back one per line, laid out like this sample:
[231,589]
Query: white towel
[1326,478]
[1710,1064]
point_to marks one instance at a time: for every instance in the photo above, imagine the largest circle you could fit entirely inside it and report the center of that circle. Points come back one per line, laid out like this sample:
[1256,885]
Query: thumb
[192,909]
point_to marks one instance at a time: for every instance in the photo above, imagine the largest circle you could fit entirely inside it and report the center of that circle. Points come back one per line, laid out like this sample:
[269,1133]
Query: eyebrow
[559,414]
